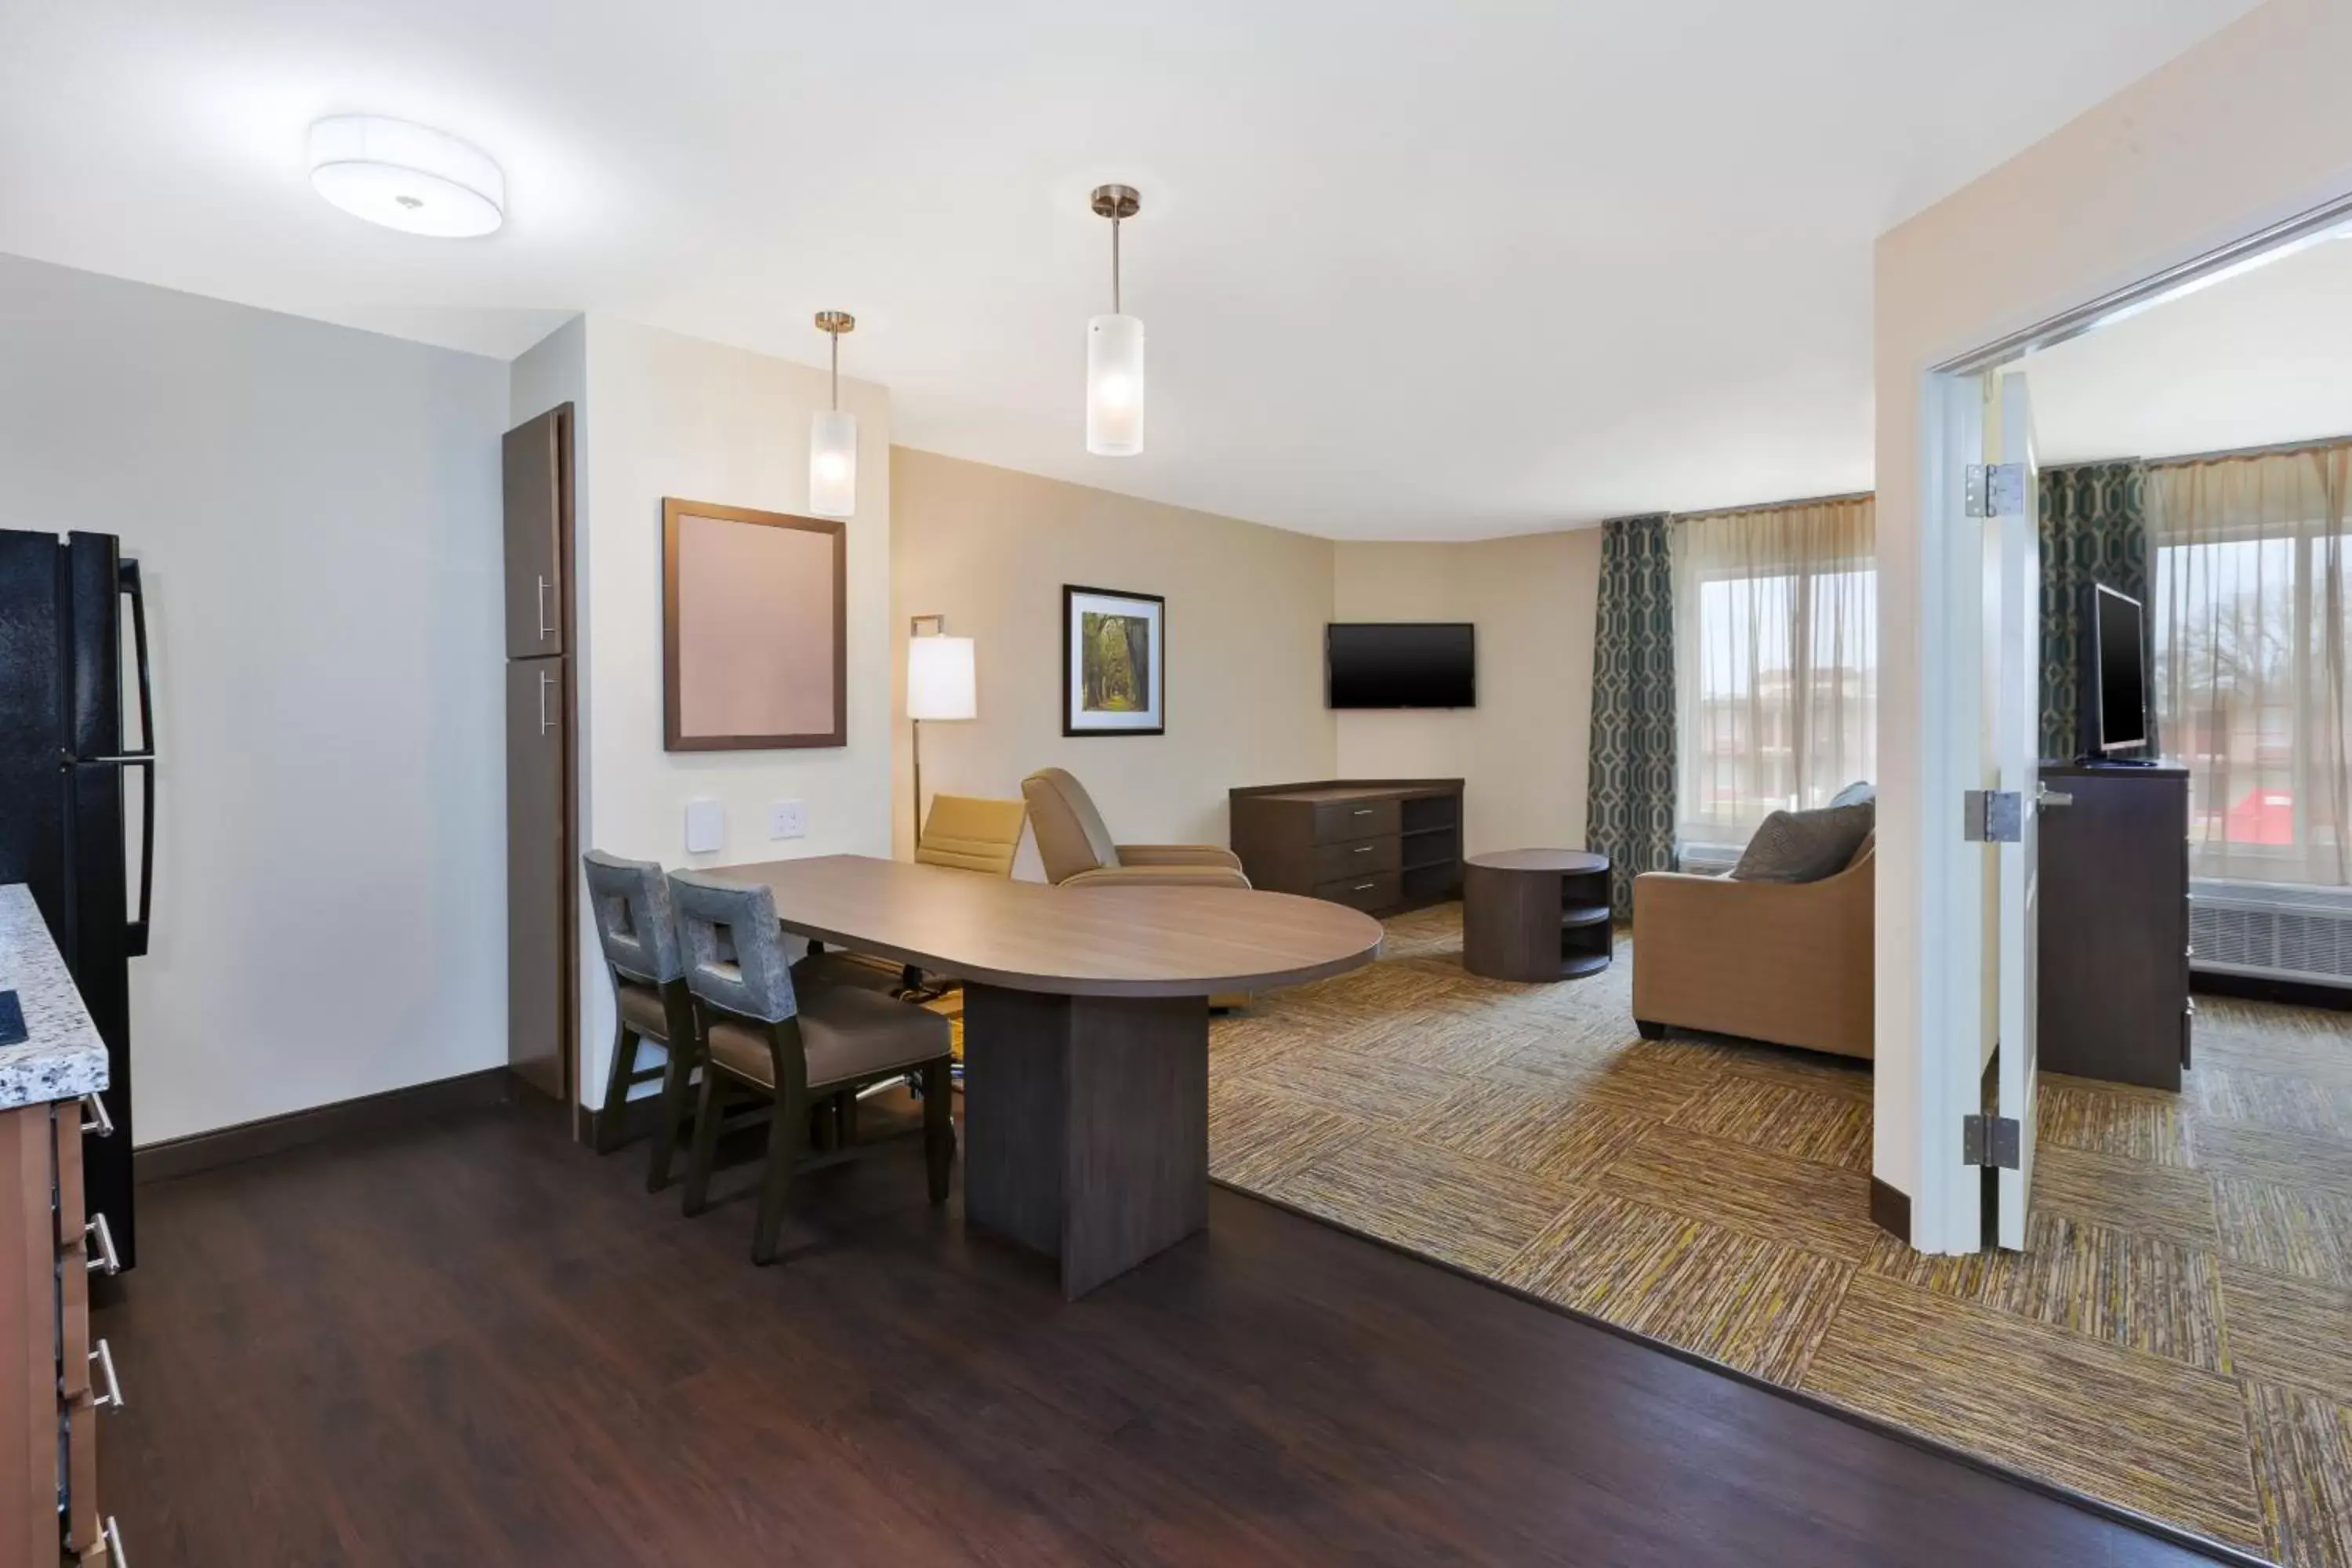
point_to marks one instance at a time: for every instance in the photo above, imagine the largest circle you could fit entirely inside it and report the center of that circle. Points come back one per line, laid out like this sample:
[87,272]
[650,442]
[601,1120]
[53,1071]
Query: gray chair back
[734,952]
[632,917]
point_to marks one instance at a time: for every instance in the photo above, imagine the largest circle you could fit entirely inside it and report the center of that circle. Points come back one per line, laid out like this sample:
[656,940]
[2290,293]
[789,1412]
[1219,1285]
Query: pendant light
[833,435]
[1115,350]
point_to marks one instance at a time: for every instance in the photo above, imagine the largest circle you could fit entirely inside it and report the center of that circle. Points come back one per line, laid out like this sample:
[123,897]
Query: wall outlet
[706,825]
[788,819]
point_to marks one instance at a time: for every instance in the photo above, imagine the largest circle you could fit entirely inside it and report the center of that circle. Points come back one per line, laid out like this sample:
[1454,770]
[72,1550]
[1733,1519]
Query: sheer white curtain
[1776,649]
[2252,631]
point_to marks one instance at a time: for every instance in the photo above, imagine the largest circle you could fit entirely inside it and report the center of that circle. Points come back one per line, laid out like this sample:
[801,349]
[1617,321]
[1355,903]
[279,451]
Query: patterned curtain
[2094,530]
[1631,789]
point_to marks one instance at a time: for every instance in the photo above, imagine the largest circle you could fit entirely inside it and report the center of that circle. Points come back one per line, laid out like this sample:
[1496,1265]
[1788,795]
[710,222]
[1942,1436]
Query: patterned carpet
[2177,1339]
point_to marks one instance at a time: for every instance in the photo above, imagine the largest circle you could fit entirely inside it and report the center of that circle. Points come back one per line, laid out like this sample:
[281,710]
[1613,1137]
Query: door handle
[545,680]
[545,631]
[2046,797]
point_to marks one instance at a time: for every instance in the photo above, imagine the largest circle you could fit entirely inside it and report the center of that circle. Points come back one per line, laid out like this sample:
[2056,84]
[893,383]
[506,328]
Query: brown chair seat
[641,1009]
[845,1032]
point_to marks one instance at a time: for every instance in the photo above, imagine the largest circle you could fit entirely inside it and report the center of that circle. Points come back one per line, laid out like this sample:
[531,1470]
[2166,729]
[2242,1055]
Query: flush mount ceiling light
[833,435]
[1115,350]
[408,177]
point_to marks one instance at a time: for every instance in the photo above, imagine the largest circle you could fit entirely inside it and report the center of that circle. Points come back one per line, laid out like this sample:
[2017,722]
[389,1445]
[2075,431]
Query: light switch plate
[787,819]
[706,825]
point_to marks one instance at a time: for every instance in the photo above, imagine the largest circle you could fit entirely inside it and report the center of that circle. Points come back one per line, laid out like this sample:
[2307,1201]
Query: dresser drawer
[1375,892]
[1339,820]
[1356,858]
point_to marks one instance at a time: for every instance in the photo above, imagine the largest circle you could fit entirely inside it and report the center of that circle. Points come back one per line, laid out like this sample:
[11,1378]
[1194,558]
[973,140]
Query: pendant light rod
[832,323]
[1116,202]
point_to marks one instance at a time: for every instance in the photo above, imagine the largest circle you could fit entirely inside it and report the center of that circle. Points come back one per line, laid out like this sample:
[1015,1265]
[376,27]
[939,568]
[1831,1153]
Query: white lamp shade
[1115,386]
[940,678]
[408,177]
[833,464]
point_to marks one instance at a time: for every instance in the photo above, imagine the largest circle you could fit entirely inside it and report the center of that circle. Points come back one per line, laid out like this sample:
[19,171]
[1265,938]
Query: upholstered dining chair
[640,935]
[764,1037]
[1077,849]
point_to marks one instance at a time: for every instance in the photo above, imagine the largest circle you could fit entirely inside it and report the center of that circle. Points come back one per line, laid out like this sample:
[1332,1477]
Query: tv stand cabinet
[1380,846]
[2114,942]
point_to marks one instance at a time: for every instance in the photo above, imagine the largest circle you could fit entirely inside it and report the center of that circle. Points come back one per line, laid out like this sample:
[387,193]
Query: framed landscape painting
[1114,662]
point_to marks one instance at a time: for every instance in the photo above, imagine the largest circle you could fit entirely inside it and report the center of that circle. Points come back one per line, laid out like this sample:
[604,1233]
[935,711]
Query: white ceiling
[2260,358]
[1414,271]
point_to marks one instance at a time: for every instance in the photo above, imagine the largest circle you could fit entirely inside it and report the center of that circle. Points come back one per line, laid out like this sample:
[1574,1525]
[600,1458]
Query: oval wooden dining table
[1086,1030]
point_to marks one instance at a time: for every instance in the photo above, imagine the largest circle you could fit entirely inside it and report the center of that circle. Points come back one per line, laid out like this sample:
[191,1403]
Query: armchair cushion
[1160,876]
[1178,854]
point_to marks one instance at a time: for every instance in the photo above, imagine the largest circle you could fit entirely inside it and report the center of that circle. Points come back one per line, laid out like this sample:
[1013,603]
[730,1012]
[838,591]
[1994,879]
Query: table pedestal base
[1086,1125]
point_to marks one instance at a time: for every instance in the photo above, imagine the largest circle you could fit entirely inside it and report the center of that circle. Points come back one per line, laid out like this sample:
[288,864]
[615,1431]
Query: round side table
[1535,914]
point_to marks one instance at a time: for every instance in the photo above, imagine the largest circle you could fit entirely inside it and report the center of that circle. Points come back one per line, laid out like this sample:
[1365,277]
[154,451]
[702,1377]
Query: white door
[2016,755]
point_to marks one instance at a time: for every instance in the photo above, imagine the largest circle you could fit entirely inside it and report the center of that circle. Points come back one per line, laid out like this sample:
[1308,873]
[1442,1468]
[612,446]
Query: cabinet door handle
[101,1124]
[545,631]
[545,680]
[107,1261]
[112,1535]
[103,1359]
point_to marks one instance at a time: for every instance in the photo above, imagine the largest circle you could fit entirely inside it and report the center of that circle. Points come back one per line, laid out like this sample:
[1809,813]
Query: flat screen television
[1401,664]
[2115,692]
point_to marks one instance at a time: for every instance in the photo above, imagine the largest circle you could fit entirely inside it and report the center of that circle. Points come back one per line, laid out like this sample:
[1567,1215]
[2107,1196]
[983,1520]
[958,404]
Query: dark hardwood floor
[479,1344]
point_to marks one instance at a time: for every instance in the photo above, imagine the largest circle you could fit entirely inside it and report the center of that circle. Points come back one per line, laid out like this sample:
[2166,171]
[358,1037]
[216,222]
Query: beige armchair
[1790,963]
[1078,851]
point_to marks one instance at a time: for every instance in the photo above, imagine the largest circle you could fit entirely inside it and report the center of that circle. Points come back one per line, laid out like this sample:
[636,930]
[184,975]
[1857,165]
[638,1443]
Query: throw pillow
[1805,845]
[1856,794]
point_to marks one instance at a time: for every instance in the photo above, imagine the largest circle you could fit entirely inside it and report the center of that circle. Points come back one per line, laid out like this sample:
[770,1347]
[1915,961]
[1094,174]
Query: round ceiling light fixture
[408,177]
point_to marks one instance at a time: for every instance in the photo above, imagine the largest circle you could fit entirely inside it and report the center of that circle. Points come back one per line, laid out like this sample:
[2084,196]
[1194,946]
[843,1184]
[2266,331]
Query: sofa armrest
[1178,876]
[1788,963]
[1178,854]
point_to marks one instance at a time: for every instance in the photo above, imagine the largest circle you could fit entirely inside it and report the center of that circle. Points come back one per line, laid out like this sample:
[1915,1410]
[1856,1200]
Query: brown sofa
[1790,963]
[1076,850]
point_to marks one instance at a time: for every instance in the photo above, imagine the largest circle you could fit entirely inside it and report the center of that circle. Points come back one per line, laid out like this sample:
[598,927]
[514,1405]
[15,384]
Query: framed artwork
[755,629]
[1114,662]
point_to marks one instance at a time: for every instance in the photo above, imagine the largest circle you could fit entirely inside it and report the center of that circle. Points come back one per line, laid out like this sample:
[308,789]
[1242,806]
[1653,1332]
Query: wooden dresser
[2114,944]
[55,1380]
[1376,845]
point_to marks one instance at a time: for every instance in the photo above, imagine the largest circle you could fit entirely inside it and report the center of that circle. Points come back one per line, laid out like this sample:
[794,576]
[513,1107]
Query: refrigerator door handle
[133,589]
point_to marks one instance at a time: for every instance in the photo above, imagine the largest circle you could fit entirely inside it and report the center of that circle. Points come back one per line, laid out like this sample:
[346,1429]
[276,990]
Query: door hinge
[1993,817]
[1994,489]
[1991,1140]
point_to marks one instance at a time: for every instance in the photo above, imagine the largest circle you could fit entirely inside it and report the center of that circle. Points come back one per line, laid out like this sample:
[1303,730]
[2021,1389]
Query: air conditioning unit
[2275,930]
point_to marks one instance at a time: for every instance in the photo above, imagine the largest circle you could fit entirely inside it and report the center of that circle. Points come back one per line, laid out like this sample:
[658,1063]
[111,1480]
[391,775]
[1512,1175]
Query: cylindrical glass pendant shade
[1115,386]
[833,464]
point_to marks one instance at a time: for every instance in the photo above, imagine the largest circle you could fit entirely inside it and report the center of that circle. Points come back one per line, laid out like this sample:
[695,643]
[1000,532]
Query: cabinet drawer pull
[1364,848]
[1366,887]
[106,1261]
[101,1124]
[112,1536]
[103,1359]
[1364,811]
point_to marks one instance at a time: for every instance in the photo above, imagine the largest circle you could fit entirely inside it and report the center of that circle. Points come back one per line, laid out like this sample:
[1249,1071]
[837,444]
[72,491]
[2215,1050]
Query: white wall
[2245,129]
[1522,751]
[667,415]
[316,511]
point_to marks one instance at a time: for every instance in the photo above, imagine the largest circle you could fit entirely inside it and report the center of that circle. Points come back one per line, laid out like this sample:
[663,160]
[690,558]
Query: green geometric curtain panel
[2094,530]
[1630,789]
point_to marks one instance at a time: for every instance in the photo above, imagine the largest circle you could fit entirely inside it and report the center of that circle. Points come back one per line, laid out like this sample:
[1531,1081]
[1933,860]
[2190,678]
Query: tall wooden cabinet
[542,976]
[2113,943]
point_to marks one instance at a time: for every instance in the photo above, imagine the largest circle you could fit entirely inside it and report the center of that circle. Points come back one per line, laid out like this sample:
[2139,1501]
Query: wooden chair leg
[616,1088]
[785,1133]
[676,1086]
[939,1127]
[707,1113]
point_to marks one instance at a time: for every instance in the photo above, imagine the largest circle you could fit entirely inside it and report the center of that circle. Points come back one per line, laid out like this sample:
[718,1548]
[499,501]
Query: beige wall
[2245,129]
[990,548]
[1521,751]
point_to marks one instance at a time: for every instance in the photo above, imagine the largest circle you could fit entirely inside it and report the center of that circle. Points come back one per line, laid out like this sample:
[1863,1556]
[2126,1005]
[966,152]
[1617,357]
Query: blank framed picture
[755,629]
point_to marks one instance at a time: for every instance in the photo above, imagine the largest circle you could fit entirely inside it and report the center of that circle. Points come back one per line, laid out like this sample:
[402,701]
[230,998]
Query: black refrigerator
[66,604]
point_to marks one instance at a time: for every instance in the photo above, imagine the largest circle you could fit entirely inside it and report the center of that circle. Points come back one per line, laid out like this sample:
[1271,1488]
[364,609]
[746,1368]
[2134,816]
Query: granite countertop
[62,1057]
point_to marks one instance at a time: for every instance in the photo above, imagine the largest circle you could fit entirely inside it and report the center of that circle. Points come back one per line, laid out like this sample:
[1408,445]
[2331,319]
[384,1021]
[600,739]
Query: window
[1777,640]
